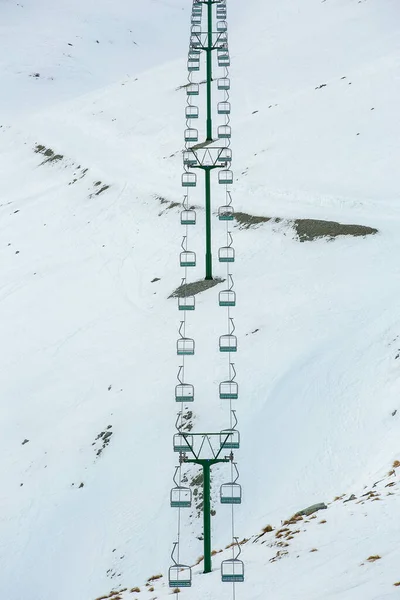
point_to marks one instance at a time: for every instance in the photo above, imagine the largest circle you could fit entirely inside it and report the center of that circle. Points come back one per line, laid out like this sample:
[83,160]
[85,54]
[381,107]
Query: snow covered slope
[88,176]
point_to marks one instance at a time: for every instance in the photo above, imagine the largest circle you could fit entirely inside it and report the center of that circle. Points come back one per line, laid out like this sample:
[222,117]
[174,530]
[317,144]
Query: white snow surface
[88,340]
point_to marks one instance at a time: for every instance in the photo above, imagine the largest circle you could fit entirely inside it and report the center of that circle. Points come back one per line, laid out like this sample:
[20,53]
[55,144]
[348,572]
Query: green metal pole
[209,72]
[208,224]
[207,515]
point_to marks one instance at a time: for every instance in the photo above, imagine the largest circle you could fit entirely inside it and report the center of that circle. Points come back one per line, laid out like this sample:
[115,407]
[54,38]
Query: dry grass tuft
[135,589]
[322,522]
[373,557]
[396,464]
[267,529]
[314,550]
[397,584]
[199,560]
[155,577]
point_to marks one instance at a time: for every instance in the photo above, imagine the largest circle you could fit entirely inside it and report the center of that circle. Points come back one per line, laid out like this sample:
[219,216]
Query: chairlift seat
[180,576]
[192,112]
[228,390]
[184,392]
[189,179]
[226,213]
[227,298]
[189,159]
[188,217]
[182,443]
[228,343]
[231,493]
[224,108]
[181,497]
[187,259]
[225,156]
[232,571]
[226,254]
[230,439]
[224,132]
[185,347]
[191,135]
[186,303]
[223,83]
[225,177]
[192,89]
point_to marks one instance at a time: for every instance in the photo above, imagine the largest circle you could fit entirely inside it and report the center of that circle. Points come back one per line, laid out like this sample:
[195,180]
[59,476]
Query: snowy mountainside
[89,336]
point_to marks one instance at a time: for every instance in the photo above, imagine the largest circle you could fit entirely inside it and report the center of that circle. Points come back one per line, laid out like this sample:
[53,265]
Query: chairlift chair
[227,298]
[224,108]
[187,258]
[193,66]
[230,493]
[224,61]
[183,443]
[228,390]
[186,303]
[180,576]
[181,497]
[224,83]
[192,89]
[222,26]
[226,213]
[189,159]
[224,132]
[225,177]
[195,30]
[192,112]
[229,439]
[188,217]
[191,135]
[196,18]
[225,156]
[232,570]
[184,392]
[189,179]
[226,254]
[195,42]
[228,343]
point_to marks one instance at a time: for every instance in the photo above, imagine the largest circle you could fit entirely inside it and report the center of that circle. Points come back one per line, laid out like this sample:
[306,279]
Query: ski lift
[224,83]
[229,439]
[225,156]
[191,135]
[221,15]
[189,158]
[189,179]
[185,346]
[225,177]
[226,254]
[192,89]
[187,259]
[224,132]
[232,571]
[179,575]
[193,65]
[184,392]
[222,26]
[195,42]
[224,108]
[226,213]
[231,493]
[183,443]
[188,217]
[222,41]
[228,343]
[196,18]
[181,497]
[195,30]
[192,112]
[227,298]
[224,61]
[186,303]
[229,390]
